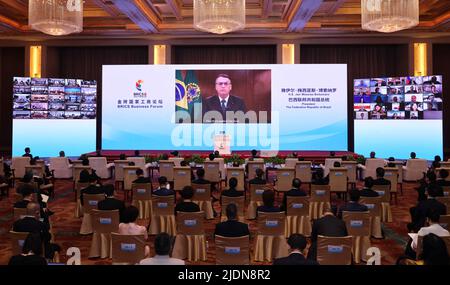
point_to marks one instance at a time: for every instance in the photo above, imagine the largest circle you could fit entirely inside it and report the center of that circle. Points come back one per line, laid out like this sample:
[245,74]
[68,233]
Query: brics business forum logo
[139,86]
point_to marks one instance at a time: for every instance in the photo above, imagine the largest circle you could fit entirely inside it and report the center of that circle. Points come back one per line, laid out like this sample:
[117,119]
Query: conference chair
[212,172]
[303,172]
[297,216]
[256,191]
[61,167]
[370,167]
[419,248]
[103,224]
[119,173]
[374,206]
[127,249]
[102,168]
[351,172]
[163,215]
[190,241]
[176,160]
[320,200]
[437,170]
[17,241]
[329,163]
[414,169]
[270,241]
[232,250]
[239,174]
[338,181]
[202,197]
[129,175]
[334,250]
[79,208]
[140,162]
[238,201]
[445,201]
[385,198]
[142,199]
[359,227]
[251,167]
[181,177]
[90,202]
[284,177]
[166,169]
[444,221]
[18,166]
[391,174]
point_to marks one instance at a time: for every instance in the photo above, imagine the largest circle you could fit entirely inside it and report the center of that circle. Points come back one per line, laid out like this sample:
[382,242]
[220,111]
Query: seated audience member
[429,180]
[437,158]
[201,177]
[31,252]
[187,205]
[85,174]
[297,245]
[332,154]
[93,188]
[258,178]
[419,213]
[367,190]
[217,153]
[294,192]
[28,153]
[268,206]
[211,156]
[175,153]
[254,153]
[140,177]
[232,227]
[353,205]
[433,227]
[232,192]
[442,181]
[434,166]
[380,177]
[163,246]
[434,250]
[372,154]
[412,155]
[122,156]
[28,193]
[128,225]
[63,154]
[137,153]
[31,223]
[328,225]
[162,189]
[111,203]
[318,178]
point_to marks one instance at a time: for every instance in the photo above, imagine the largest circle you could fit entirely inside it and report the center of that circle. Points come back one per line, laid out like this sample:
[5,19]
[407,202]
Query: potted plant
[234,160]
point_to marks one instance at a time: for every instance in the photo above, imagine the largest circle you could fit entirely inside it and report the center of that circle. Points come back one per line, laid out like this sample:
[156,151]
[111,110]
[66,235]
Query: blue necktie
[223,105]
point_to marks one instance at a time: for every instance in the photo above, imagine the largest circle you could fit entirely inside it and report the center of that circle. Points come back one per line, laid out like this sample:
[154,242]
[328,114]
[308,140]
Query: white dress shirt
[433,228]
[161,260]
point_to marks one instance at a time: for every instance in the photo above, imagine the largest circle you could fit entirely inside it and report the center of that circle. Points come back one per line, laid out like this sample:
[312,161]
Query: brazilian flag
[187,94]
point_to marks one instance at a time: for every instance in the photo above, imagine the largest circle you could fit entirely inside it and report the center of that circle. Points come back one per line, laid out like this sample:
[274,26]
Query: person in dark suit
[111,203]
[429,180]
[201,177]
[232,192]
[141,178]
[31,223]
[27,153]
[420,212]
[367,190]
[31,252]
[268,206]
[297,244]
[258,178]
[162,189]
[137,153]
[380,177]
[327,225]
[93,188]
[318,178]
[223,102]
[187,205]
[443,174]
[29,193]
[294,192]
[85,174]
[232,227]
[353,205]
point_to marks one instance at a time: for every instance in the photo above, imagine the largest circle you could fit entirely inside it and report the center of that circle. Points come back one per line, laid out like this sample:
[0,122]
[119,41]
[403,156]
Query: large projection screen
[395,116]
[269,107]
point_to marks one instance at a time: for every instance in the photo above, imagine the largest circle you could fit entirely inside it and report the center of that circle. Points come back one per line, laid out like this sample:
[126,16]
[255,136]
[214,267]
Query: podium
[222,143]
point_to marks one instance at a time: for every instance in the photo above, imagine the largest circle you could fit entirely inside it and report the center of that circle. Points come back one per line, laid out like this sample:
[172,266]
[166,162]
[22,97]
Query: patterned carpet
[66,227]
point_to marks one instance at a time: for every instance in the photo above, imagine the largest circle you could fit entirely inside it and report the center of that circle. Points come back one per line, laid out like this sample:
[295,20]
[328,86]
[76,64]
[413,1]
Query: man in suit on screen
[223,102]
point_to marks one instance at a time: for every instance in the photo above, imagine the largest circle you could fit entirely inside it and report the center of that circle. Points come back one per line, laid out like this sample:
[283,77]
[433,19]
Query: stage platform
[314,156]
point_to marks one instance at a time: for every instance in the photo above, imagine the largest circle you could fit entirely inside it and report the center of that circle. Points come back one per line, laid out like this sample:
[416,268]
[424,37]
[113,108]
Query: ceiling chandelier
[219,16]
[389,16]
[56,17]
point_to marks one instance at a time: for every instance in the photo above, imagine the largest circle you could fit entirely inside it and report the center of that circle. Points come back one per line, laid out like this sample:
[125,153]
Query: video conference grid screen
[398,98]
[395,116]
[54,98]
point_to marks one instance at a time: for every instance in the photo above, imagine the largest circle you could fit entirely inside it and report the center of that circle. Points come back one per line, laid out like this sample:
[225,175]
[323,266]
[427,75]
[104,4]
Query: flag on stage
[187,94]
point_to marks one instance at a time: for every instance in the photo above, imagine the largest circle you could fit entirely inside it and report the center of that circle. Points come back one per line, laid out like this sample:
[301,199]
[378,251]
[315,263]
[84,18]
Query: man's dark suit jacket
[112,204]
[91,189]
[231,228]
[234,104]
[164,192]
[187,207]
[232,192]
[267,209]
[294,192]
[352,207]
[21,204]
[366,192]
[294,259]
[257,180]
[142,179]
[201,181]
[381,181]
[326,226]
[31,225]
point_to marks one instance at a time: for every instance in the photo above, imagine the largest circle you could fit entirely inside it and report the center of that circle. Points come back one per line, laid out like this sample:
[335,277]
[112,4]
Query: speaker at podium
[222,143]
